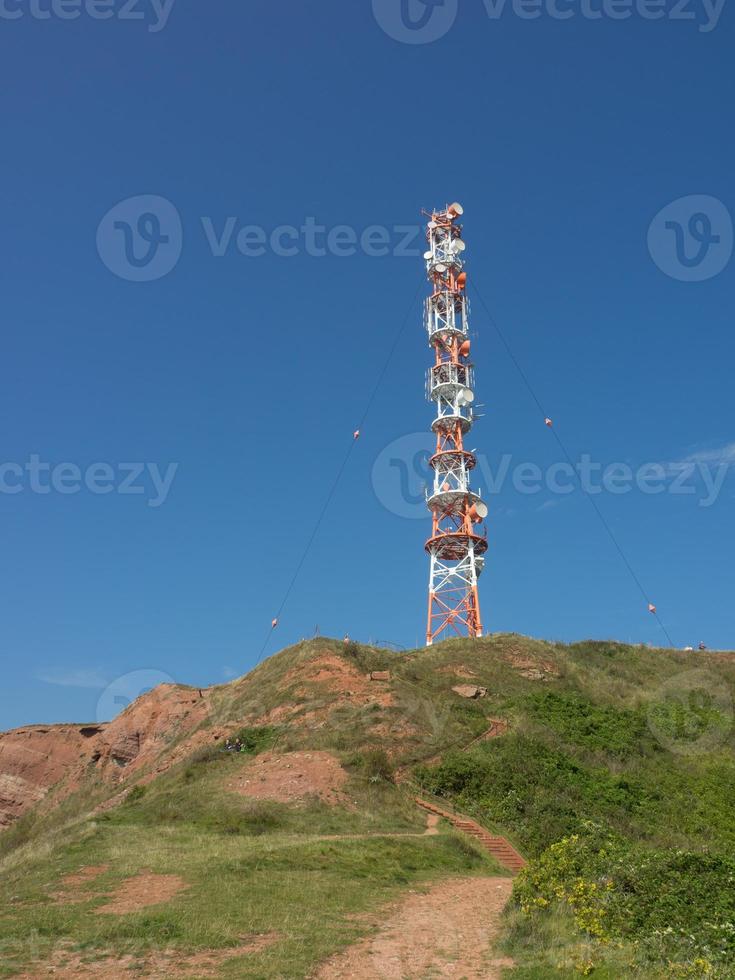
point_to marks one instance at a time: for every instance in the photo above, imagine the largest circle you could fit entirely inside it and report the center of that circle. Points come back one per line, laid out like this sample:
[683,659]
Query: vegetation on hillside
[629,827]
[618,791]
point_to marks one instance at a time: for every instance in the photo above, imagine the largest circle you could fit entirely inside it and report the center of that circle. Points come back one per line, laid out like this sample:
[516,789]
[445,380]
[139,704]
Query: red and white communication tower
[456,546]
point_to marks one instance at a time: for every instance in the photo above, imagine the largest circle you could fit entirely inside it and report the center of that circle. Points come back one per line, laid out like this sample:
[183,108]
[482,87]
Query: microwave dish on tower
[456,547]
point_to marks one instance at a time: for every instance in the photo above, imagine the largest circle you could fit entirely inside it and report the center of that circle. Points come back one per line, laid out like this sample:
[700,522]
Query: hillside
[144,845]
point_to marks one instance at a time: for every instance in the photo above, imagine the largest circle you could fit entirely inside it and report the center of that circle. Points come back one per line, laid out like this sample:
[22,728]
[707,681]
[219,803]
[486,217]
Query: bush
[593,726]
[675,906]
[255,740]
[543,793]
[367,658]
[375,765]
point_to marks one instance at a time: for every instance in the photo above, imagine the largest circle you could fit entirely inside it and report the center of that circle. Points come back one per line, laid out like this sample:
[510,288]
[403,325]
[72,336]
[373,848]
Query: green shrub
[367,658]
[594,726]
[687,723]
[675,906]
[374,765]
[255,740]
[542,793]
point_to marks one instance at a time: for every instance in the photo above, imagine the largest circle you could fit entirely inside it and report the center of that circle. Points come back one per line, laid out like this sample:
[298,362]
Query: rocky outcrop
[38,759]
[35,758]
[470,691]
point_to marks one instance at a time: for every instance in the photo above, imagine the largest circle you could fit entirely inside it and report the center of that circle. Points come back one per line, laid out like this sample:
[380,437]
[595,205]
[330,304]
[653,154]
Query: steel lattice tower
[455,547]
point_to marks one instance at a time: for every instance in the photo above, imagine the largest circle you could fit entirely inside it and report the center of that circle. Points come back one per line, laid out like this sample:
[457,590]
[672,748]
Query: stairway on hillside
[500,848]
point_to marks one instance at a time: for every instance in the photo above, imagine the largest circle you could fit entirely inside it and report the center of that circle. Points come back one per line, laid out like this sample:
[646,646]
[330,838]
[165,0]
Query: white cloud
[713,457]
[79,677]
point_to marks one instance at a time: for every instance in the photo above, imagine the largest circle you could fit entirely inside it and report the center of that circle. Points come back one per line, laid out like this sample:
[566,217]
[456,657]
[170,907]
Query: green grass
[195,794]
[253,867]
[605,743]
[592,741]
[307,891]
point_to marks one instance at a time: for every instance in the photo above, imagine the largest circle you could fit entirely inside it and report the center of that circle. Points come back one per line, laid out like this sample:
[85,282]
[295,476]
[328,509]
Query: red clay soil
[65,964]
[532,668]
[84,875]
[458,670]
[72,885]
[339,676]
[141,891]
[38,759]
[446,932]
[33,759]
[43,764]
[498,726]
[292,778]
[328,674]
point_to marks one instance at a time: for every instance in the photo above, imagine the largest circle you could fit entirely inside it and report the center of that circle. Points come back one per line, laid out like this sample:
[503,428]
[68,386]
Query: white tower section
[455,547]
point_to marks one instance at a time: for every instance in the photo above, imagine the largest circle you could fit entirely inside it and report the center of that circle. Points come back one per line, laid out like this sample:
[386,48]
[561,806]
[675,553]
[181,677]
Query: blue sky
[242,376]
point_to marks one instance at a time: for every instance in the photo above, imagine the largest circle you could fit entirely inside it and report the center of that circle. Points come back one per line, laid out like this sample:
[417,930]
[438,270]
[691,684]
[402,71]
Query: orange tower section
[457,545]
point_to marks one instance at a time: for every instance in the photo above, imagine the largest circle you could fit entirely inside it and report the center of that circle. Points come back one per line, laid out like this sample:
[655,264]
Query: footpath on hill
[447,931]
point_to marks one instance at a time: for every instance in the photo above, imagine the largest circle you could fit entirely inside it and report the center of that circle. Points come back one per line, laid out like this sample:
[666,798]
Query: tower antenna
[456,548]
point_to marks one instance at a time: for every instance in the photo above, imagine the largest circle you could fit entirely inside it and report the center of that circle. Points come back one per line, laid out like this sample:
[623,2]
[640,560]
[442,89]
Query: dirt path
[446,932]
[66,963]
[142,890]
[432,829]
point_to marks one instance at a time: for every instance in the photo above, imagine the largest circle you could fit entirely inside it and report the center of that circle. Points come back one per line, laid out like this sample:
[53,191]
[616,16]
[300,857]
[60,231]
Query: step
[499,847]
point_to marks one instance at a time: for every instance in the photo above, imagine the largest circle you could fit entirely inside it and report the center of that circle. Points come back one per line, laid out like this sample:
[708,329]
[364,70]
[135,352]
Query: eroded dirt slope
[39,760]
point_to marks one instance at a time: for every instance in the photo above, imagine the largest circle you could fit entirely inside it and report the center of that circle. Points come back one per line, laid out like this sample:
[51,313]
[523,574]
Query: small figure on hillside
[702,645]
[346,638]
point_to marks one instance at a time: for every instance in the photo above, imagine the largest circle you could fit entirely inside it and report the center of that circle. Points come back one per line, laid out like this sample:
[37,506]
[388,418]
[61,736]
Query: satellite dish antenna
[428,255]
[478,511]
[456,208]
[459,245]
[467,396]
[432,224]
[440,267]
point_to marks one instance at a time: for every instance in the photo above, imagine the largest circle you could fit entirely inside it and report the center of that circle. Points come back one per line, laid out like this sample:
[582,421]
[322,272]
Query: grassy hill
[611,768]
